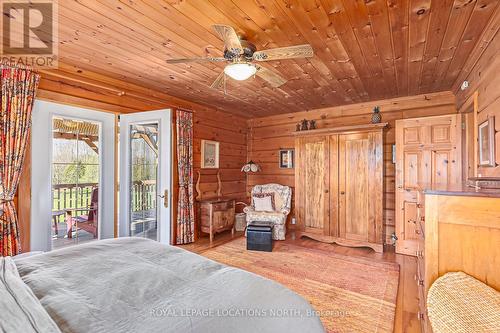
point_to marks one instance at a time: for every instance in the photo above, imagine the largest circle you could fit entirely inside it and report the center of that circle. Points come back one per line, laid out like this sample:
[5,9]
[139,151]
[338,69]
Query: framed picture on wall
[209,154]
[486,140]
[286,158]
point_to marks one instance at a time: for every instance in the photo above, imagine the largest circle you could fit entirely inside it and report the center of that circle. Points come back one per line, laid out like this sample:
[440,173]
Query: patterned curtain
[185,211]
[19,85]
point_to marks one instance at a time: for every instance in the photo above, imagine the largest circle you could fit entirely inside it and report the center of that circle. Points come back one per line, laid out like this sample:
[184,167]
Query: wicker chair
[458,303]
[282,202]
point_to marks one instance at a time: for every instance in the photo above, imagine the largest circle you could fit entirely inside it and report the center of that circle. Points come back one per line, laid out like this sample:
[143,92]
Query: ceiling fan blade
[188,60]
[230,38]
[270,76]
[289,52]
[219,81]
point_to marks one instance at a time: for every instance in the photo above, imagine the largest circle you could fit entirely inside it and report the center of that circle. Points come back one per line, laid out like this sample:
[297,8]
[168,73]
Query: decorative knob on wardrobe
[342,192]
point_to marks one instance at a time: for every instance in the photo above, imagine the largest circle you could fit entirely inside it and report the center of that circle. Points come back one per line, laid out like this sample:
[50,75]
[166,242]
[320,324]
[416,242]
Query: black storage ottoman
[260,236]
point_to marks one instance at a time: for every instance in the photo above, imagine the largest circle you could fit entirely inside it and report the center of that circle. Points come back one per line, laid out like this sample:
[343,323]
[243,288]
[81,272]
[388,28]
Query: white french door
[73,173]
[145,175]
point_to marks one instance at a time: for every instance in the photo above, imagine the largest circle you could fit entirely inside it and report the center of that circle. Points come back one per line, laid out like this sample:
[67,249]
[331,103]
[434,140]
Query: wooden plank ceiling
[364,50]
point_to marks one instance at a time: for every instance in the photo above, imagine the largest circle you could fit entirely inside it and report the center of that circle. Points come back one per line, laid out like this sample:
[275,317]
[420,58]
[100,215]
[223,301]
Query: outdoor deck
[71,197]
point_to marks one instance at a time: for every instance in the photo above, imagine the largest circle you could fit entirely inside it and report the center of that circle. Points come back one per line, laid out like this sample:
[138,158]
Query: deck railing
[70,196]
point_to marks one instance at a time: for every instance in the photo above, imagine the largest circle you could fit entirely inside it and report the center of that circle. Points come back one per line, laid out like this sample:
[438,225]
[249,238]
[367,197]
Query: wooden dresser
[457,228]
[216,215]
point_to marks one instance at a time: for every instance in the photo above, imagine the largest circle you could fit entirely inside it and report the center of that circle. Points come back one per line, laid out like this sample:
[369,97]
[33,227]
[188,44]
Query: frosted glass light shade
[251,166]
[240,71]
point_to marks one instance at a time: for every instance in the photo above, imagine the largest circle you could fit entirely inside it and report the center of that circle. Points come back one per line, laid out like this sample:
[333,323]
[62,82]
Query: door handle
[165,198]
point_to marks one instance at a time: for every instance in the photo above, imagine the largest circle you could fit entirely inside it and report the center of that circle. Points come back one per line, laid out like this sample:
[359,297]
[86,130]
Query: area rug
[350,294]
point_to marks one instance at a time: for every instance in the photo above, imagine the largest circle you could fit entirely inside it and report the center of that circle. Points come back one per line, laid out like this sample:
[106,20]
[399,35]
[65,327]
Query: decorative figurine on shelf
[304,126]
[376,116]
[312,124]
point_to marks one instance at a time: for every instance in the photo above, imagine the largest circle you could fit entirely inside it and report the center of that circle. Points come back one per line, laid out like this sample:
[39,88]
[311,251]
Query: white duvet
[138,285]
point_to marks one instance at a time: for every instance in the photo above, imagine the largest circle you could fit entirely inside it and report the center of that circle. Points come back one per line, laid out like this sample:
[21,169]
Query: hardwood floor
[406,306]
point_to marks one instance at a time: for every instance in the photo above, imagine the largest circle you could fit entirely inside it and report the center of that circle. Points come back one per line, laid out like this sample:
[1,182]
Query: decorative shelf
[343,129]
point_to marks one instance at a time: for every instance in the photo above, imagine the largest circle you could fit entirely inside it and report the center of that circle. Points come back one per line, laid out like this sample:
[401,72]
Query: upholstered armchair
[282,204]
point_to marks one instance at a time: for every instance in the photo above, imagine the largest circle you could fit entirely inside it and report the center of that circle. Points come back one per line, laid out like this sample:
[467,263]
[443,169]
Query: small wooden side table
[216,215]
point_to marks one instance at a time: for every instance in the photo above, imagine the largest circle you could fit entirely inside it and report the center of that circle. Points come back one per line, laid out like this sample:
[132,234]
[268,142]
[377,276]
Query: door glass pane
[144,174]
[75,181]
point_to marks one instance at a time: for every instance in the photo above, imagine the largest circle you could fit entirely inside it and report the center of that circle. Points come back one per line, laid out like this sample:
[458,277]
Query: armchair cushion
[276,217]
[282,195]
[263,204]
[257,196]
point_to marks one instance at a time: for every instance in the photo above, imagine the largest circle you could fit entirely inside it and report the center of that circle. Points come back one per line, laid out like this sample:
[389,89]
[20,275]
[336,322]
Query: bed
[138,285]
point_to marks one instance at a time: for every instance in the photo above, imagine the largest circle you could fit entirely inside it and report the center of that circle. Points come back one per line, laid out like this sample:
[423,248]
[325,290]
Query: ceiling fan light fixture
[240,71]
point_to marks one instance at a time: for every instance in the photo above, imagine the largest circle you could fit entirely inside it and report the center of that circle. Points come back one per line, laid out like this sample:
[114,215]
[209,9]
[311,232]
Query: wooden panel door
[427,151]
[312,178]
[360,187]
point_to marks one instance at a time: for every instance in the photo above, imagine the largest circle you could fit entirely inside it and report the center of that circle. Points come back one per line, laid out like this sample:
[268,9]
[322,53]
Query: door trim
[163,118]
[41,175]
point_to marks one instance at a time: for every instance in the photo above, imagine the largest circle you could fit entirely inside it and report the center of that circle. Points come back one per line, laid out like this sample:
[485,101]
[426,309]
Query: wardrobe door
[312,180]
[334,185]
[360,187]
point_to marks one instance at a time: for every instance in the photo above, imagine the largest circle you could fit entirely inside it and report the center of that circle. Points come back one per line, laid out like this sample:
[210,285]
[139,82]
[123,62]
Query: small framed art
[486,140]
[209,154]
[287,158]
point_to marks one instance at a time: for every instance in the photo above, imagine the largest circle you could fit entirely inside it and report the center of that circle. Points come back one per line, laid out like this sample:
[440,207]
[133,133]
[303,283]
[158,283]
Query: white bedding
[138,285]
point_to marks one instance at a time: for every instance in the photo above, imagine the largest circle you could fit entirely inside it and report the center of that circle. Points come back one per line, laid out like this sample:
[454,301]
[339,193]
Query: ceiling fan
[241,56]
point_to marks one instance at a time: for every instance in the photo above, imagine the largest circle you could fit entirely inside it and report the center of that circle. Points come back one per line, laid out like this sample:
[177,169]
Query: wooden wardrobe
[428,153]
[339,185]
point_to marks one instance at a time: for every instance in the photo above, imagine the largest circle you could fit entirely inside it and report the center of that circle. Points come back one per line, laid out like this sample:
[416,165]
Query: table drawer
[220,206]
